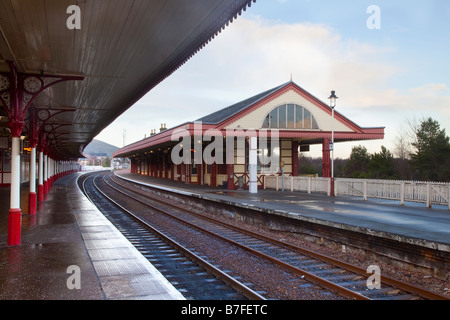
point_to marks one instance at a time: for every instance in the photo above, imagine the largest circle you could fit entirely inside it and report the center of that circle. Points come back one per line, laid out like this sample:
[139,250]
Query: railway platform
[412,223]
[70,251]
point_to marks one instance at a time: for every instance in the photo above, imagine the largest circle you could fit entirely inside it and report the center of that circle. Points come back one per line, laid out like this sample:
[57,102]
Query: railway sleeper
[353,283]
[326,271]
[383,291]
[317,266]
[344,277]
[401,297]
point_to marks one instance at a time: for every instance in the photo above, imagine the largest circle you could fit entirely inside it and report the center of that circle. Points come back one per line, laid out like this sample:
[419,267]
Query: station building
[282,122]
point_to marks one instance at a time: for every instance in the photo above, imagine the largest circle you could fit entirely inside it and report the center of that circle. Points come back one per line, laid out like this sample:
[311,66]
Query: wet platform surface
[413,220]
[70,231]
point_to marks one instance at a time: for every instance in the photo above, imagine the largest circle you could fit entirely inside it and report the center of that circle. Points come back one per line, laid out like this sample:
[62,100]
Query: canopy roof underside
[123,50]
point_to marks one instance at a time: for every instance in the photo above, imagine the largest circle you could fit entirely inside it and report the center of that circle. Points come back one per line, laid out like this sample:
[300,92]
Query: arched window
[290,116]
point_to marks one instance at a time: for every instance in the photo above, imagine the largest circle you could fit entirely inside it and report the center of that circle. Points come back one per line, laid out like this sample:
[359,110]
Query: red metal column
[188,173]
[166,168]
[199,174]
[172,171]
[213,175]
[153,165]
[294,158]
[326,162]
[17,92]
[32,196]
[45,171]
[41,175]
[15,213]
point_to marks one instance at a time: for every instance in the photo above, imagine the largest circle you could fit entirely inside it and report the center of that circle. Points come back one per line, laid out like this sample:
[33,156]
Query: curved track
[336,276]
[193,276]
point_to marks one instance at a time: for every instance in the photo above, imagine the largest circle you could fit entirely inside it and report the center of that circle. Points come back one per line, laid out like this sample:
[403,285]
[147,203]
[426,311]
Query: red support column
[160,166]
[294,158]
[166,168]
[17,93]
[152,167]
[45,173]
[172,171]
[188,173]
[49,173]
[41,175]
[213,175]
[199,174]
[15,213]
[326,162]
[32,196]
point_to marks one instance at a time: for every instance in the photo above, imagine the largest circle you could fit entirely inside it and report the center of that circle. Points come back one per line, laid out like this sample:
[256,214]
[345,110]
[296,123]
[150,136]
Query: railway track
[194,277]
[339,277]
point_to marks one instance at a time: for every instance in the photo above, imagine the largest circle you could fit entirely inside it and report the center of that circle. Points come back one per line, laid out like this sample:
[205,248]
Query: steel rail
[416,290]
[302,273]
[238,286]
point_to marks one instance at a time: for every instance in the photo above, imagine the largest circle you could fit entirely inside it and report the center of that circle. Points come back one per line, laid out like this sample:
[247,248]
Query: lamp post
[333,99]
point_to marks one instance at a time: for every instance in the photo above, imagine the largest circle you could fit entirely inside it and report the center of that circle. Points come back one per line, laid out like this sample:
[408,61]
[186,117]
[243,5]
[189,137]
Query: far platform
[412,221]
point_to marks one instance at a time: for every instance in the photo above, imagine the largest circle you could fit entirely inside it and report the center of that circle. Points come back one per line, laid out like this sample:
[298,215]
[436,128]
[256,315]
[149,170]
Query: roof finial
[291,76]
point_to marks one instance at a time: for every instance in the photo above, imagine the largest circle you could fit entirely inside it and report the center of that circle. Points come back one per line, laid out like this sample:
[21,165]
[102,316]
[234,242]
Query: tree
[357,165]
[381,165]
[432,152]
[309,165]
[403,151]
[107,163]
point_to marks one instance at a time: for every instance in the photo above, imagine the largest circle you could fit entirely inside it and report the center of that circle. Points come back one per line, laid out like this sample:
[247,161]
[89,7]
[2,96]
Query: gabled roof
[224,114]
[220,119]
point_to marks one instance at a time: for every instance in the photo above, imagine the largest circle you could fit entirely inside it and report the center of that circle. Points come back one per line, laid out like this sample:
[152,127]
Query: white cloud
[434,95]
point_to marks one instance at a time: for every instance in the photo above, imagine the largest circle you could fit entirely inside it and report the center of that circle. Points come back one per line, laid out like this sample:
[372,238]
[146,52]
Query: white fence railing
[413,191]
[94,168]
[307,184]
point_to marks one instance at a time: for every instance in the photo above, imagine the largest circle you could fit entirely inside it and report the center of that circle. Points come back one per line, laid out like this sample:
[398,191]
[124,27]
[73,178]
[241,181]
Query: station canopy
[123,49]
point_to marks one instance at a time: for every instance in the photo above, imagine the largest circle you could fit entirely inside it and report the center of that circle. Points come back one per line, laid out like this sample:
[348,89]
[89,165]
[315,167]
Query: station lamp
[332,99]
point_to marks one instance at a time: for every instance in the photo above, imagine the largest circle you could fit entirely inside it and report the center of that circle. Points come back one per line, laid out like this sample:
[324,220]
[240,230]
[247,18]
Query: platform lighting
[333,99]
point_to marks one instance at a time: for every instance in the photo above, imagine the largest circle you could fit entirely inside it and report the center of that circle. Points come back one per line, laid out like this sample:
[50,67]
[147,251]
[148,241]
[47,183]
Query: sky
[389,66]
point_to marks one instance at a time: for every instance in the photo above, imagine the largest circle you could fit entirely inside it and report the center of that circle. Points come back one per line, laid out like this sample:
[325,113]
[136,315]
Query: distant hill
[97,146]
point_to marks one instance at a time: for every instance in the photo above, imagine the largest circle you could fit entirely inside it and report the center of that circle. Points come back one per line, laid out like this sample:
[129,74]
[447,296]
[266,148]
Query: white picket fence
[414,191]
[94,168]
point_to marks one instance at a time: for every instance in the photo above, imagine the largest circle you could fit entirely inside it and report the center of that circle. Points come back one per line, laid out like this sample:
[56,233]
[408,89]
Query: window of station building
[290,116]
[268,157]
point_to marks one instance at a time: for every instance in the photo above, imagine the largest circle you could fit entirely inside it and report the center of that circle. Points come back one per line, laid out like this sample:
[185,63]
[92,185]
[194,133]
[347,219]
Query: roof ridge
[225,113]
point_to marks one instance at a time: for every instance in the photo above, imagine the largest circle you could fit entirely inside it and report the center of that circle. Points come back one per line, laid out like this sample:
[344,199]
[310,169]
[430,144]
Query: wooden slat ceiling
[124,49]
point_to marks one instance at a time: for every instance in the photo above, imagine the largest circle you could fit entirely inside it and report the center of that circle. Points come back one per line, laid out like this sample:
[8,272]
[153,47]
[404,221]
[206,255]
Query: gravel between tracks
[274,281]
[264,277]
[410,276]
